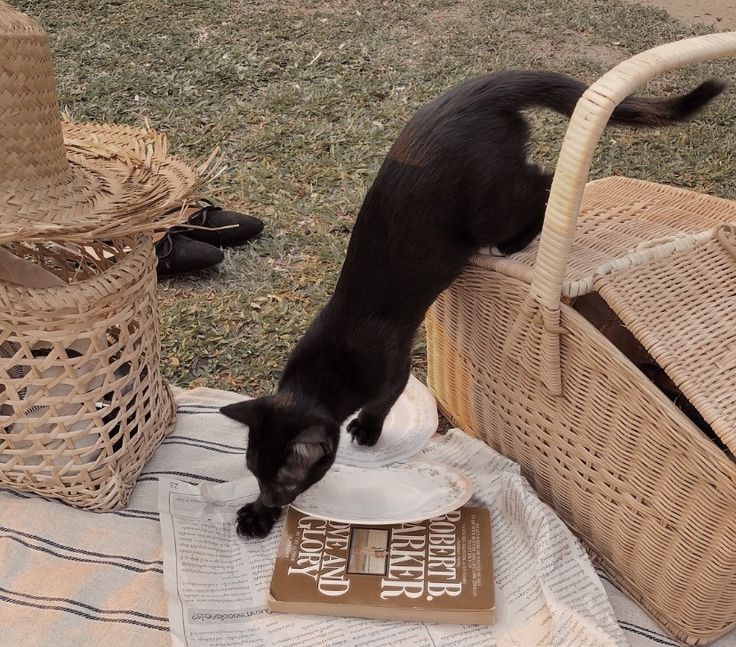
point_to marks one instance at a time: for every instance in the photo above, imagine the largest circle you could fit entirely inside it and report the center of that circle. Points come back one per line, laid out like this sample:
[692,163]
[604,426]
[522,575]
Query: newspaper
[547,592]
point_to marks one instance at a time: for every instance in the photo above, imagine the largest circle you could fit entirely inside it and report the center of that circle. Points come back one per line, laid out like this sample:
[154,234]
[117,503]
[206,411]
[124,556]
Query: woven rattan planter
[82,401]
[513,362]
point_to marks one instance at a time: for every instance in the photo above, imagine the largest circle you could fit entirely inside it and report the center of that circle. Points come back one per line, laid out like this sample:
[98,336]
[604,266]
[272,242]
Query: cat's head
[290,445]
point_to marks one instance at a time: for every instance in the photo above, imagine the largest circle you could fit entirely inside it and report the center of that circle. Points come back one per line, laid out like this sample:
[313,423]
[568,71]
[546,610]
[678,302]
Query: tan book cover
[438,570]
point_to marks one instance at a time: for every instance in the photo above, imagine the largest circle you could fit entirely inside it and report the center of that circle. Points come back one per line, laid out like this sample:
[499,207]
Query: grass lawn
[305,98]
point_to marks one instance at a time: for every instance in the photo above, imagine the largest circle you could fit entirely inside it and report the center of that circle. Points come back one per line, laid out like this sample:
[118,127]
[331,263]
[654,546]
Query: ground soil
[721,14]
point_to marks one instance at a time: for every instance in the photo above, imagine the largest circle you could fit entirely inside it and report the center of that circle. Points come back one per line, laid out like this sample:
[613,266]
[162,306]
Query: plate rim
[464,478]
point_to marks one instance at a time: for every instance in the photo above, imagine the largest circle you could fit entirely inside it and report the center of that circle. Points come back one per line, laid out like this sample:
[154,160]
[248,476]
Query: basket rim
[90,289]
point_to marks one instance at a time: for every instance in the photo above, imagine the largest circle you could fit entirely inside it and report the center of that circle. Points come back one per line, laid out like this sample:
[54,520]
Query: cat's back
[468,114]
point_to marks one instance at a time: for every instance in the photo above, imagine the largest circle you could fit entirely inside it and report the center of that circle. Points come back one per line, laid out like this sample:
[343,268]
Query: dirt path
[721,14]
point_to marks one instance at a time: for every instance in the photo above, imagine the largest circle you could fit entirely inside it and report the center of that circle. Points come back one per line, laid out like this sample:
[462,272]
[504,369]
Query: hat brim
[121,181]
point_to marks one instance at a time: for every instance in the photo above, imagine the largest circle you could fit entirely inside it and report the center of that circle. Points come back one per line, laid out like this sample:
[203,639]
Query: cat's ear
[312,444]
[249,412]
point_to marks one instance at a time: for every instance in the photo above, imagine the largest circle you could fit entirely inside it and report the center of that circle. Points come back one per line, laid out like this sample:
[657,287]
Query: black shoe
[178,254]
[239,228]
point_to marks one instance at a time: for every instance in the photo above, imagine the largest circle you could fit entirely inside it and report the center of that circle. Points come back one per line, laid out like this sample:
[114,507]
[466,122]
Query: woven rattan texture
[644,488]
[635,478]
[82,403]
[31,149]
[618,216]
[73,181]
[682,310]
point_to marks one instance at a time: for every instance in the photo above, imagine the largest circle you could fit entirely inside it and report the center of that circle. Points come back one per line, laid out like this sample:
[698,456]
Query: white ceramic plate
[407,429]
[398,493]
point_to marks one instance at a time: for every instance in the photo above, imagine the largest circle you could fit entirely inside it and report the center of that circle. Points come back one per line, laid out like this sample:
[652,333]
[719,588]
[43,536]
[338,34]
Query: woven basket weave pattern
[634,478]
[636,212]
[648,492]
[75,181]
[83,405]
[32,149]
[705,279]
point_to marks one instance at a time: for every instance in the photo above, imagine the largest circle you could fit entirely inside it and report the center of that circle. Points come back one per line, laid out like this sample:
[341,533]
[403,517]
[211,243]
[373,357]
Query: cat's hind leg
[511,213]
[525,212]
[366,428]
[525,207]
[522,239]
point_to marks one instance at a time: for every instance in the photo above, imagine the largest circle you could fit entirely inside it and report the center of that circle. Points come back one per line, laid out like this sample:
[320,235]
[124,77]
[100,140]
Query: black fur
[456,179]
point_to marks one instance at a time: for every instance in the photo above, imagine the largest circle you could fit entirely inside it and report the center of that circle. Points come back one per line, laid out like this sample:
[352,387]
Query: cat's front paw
[256,520]
[363,434]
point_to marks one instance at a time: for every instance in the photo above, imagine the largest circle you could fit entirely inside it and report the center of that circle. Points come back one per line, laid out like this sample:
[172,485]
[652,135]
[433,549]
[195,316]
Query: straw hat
[75,181]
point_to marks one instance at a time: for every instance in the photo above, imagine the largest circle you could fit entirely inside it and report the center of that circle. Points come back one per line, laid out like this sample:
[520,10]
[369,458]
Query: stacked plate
[383,484]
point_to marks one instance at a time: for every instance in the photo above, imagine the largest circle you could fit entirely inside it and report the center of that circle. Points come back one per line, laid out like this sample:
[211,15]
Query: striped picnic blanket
[69,577]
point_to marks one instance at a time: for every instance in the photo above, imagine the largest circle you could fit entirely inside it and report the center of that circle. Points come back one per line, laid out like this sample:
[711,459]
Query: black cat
[455,180]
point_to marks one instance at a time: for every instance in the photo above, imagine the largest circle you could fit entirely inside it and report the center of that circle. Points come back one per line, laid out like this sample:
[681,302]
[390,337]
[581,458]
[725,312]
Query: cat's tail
[645,111]
[560,93]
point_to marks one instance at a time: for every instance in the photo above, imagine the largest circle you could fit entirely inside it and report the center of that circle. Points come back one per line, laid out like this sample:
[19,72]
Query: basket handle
[590,117]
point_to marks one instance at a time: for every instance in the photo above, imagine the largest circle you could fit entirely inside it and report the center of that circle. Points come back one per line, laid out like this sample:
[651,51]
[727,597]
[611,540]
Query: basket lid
[683,311]
[620,220]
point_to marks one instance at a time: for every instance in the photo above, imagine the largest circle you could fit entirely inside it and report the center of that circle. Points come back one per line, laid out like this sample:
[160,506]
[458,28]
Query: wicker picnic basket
[513,361]
[82,402]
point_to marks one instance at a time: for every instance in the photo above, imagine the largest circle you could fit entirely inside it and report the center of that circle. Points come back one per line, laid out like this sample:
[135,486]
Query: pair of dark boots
[196,244]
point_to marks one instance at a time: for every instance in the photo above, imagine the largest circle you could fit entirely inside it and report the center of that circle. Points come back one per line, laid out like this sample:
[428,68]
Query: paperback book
[438,570]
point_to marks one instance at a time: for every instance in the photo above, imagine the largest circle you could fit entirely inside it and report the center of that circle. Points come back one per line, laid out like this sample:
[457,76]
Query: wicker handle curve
[583,133]
[534,339]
